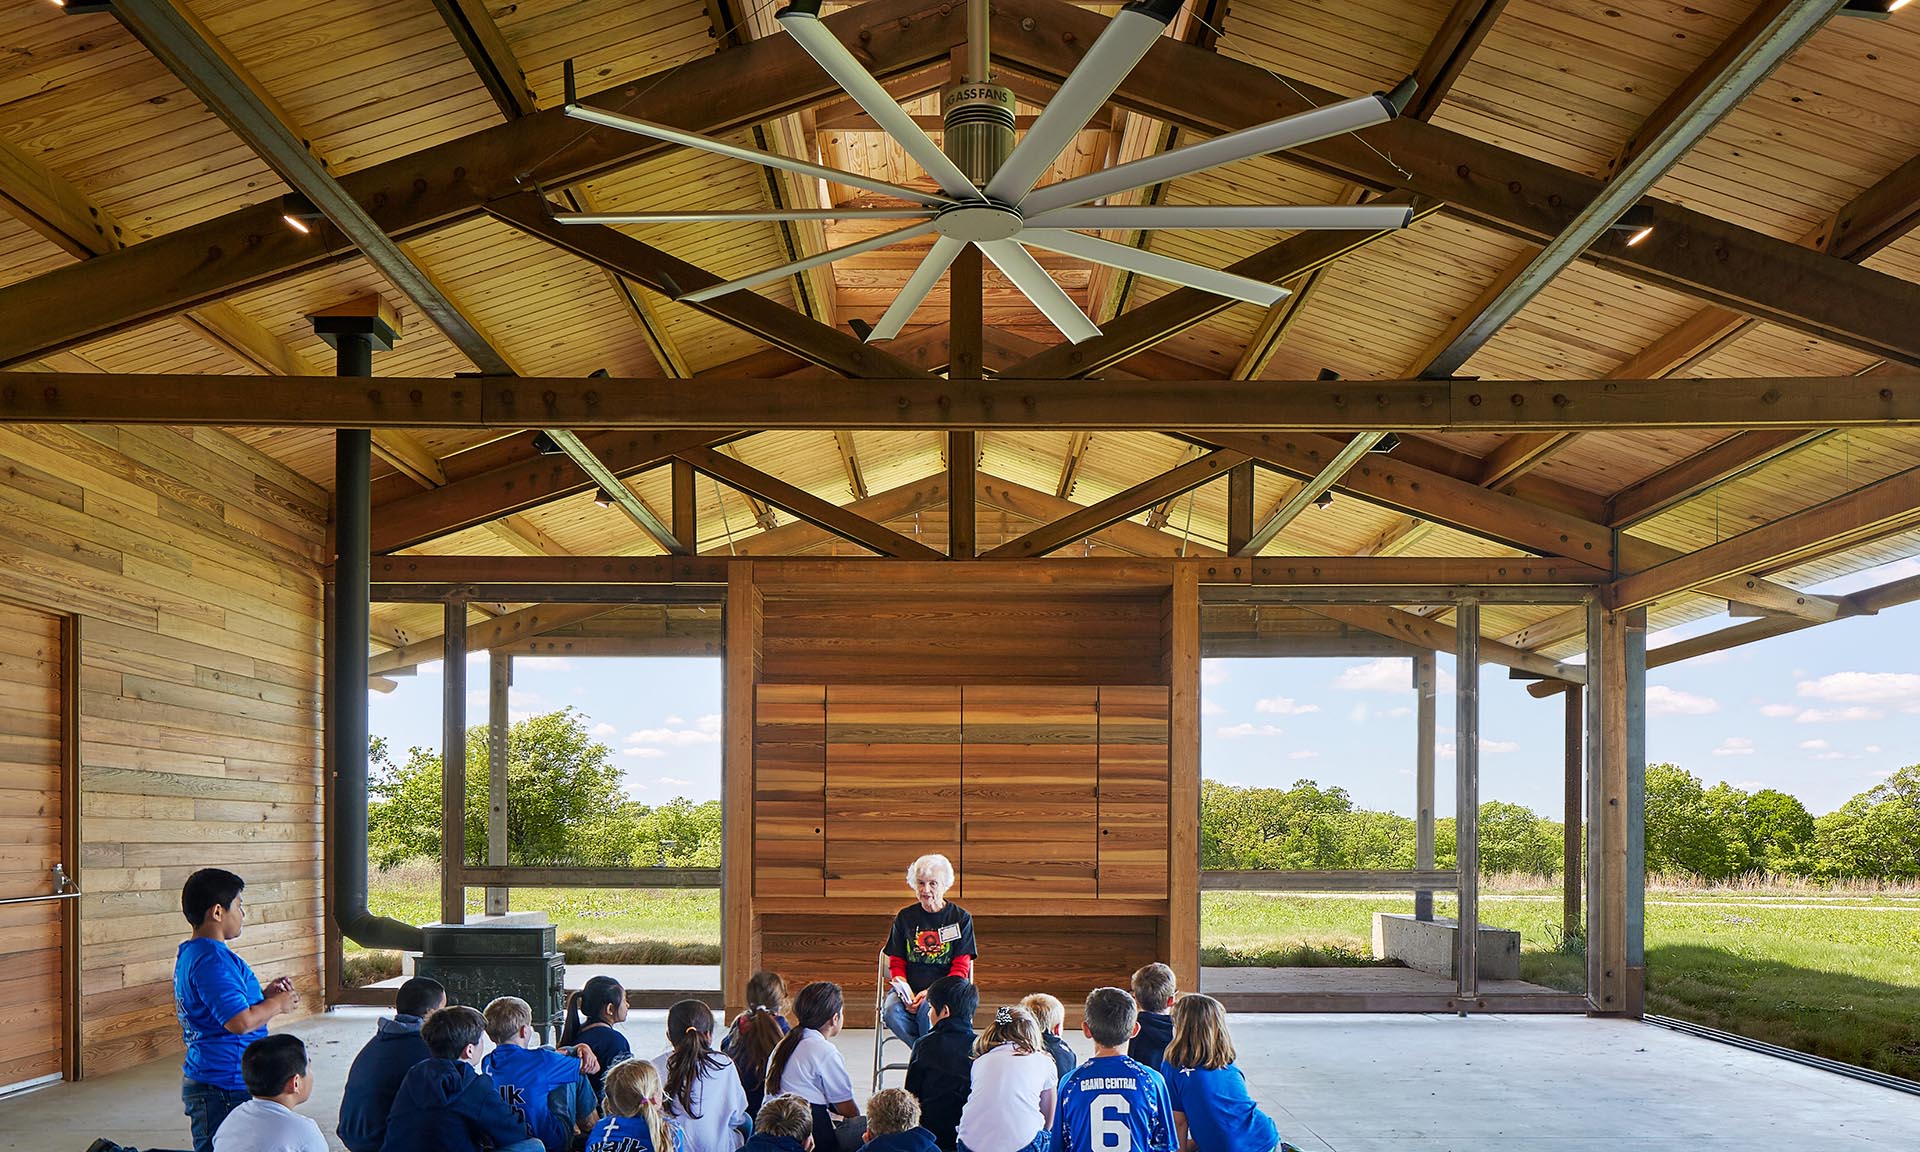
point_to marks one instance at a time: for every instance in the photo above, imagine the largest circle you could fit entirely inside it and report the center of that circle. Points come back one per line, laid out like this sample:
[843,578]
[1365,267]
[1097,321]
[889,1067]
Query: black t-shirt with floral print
[929,941]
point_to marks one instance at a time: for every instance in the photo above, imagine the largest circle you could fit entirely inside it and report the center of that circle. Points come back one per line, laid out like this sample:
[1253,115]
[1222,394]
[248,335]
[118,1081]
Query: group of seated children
[1161,1079]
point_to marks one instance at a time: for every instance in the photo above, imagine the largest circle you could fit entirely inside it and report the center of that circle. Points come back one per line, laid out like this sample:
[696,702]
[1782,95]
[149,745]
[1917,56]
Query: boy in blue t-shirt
[219,1002]
[547,1088]
[1112,1103]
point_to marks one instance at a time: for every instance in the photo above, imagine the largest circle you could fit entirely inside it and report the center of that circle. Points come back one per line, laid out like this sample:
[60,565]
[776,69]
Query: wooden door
[789,789]
[1028,800]
[893,784]
[33,835]
[1133,792]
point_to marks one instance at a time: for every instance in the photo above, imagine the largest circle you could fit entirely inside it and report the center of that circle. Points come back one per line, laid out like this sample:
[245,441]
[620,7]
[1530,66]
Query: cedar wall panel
[192,564]
[32,840]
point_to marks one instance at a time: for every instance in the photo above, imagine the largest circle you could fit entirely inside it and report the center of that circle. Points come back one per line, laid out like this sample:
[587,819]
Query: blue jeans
[207,1106]
[908,1025]
[1042,1142]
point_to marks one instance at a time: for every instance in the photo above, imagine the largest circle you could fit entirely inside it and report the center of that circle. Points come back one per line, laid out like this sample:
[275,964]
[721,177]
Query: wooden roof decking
[85,106]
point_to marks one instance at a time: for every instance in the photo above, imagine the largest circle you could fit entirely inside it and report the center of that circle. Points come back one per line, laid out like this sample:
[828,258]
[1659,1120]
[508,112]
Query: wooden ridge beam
[527,481]
[782,327]
[463,570]
[806,505]
[1878,509]
[1695,253]
[411,195]
[1182,308]
[1092,518]
[918,401]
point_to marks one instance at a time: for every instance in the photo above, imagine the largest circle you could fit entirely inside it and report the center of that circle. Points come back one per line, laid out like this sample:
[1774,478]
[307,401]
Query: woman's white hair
[932,865]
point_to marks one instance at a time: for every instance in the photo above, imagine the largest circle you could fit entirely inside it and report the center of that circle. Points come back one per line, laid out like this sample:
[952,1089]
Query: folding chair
[882,1036]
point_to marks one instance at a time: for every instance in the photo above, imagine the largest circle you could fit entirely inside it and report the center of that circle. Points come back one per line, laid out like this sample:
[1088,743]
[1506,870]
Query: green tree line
[565,806]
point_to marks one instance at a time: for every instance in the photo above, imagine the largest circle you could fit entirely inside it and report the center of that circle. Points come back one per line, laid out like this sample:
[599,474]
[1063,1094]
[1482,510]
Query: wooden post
[1182,931]
[686,526]
[1239,508]
[1634,875]
[1607,811]
[1425,680]
[1466,773]
[966,341]
[963,456]
[453,764]
[1576,780]
[739,944]
[499,681]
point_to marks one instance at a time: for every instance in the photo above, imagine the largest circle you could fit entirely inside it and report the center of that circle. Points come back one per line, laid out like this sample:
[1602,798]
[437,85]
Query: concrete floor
[1333,1083]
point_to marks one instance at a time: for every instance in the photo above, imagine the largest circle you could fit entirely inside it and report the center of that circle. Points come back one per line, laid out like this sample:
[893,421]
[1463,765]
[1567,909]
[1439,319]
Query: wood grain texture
[1029,791]
[33,827]
[893,784]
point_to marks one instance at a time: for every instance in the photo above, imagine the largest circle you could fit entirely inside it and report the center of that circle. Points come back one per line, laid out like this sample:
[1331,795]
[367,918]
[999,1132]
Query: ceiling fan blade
[1273,136]
[802,22]
[801,265]
[945,251]
[769,215]
[1293,218]
[1182,272]
[1114,53]
[1038,286]
[641,127]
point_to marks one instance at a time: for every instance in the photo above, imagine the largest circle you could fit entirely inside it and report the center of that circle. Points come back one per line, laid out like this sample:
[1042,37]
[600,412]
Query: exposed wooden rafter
[1085,521]
[807,506]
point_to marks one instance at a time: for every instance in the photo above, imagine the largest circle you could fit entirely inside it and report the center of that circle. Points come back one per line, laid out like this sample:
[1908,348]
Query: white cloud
[1735,746]
[1303,754]
[672,721]
[1387,674]
[1872,748]
[705,731]
[605,730]
[1778,710]
[1396,713]
[676,782]
[1665,701]
[1237,731]
[1212,675]
[1814,745]
[1838,715]
[644,752]
[1284,706]
[1209,708]
[1891,688]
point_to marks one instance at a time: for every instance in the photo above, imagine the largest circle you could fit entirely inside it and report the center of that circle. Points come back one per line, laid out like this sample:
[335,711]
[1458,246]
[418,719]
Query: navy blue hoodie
[375,1078]
[940,1073]
[1149,1046]
[445,1106]
[768,1142]
[912,1140]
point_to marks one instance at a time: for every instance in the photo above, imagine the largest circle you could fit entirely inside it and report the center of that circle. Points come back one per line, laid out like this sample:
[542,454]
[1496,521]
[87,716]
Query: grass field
[1837,974]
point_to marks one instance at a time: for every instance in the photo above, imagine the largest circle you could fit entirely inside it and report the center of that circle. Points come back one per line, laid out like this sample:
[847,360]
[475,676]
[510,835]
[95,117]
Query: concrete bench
[1430,945]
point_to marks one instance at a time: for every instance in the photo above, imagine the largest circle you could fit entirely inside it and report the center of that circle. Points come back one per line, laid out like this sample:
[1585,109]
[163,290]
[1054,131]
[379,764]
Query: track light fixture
[546,445]
[299,213]
[1387,443]
[603,497]
[1636,222]
[83,7]
[1324,500]
[1872,9]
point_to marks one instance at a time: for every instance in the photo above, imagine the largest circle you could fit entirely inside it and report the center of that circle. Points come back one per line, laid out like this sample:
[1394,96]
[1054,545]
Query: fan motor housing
[979,128]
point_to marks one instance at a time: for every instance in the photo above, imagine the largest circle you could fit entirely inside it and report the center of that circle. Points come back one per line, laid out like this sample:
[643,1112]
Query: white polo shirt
[267,1126]
[815,1072]
[720,1101]
[1002,1113]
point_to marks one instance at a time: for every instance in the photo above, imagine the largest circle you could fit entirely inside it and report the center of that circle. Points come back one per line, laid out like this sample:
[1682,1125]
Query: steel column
[1425,682]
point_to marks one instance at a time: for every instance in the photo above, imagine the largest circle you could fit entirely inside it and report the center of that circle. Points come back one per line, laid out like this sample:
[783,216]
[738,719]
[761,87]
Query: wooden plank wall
[192,562]
[33,832]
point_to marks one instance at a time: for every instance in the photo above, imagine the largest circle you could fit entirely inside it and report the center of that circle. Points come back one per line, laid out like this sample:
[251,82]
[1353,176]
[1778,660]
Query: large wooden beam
[1879,509]
[1088,520]
[526,482]
[487,634]
[918,401]
[1691,253]
[1432,634]
[1684,479]
[800,536]
[411,195]
[807,506]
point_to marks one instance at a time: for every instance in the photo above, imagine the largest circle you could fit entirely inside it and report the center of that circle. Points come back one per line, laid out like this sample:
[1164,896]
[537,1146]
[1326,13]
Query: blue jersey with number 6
[1113,1104]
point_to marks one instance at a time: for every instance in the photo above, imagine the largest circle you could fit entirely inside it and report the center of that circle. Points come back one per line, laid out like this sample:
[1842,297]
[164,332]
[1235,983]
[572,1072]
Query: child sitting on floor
[893,1123]
[783,1124]
[547,1089]
[636,1119]
[704,1096]
[756,1033]
[1154,992]
[808,1065]
[377,1071]
[1051,1015]
[275,1069]
[1112,1101]
[592,1013]
[940,1071]
[445,1104]
[1212,1109]
[1011,1106]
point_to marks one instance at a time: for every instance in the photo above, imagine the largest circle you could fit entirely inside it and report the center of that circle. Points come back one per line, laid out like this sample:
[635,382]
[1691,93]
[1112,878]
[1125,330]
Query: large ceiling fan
[987,195]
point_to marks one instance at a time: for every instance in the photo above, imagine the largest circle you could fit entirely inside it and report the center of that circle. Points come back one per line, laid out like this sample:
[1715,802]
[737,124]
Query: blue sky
[1822,713]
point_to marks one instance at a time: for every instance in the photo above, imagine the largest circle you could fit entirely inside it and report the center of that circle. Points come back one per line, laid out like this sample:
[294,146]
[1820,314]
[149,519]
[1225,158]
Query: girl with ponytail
[703,1093]
[636,1119]
[756,1033]
[808,1065]
[592,1013]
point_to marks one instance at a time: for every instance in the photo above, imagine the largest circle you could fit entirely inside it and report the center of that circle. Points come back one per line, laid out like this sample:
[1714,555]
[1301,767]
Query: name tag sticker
[950,933]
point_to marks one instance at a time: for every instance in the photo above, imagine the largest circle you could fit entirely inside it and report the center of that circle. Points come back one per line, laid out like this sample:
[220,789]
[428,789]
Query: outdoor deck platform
[1369,990]
[1334,1083]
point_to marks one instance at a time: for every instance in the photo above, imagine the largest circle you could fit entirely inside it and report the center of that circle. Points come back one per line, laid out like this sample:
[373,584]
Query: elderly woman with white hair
[930,939]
